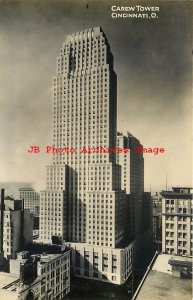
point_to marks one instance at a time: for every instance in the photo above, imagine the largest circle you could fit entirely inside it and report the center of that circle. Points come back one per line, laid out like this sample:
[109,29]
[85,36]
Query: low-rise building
[107,264]
[43,276]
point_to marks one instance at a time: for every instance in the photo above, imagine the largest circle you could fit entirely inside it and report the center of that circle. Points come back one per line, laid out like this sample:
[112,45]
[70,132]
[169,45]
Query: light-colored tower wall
[53,204]
[94,206]
[102,263]
[84,99]
[132,165]
[84,114]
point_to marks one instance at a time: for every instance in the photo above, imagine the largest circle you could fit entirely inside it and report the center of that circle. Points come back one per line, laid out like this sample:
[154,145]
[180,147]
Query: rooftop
[38,248]
[7,280]
[48,257]
[178,193]
[179,190]
[26,189]
[160,285]
[24,257]
[9,198]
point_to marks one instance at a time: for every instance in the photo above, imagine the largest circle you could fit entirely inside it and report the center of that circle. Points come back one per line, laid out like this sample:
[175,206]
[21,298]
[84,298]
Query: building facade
[31,199]
[102,263]
[157,227]
[132,163]
[17,227]
[147,213]
[132,181]
[177,222]
[157,200]
[38,276]
[53,205]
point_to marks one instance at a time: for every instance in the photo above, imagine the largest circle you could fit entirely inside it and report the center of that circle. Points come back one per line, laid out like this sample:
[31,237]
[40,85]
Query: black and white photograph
[96,150]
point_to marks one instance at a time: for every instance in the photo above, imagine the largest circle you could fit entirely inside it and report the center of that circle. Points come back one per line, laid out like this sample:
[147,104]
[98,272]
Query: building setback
[177,223]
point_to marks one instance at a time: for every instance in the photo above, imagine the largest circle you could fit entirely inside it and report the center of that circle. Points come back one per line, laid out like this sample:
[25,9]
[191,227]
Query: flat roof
[7,279]
[49,257]
[160,285]
[175,195]
[39,248]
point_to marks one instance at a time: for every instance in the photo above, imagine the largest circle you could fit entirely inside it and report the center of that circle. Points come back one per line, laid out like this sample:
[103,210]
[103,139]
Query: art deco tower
[83,202]
[85,112]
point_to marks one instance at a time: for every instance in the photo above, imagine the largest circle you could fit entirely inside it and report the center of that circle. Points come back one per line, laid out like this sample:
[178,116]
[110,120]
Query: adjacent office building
[177,223]
[157,200]
[132,181]
[157,227]
[39,276]
[157,218]
[132,163]
[16,225]
[147,214]
[31,199]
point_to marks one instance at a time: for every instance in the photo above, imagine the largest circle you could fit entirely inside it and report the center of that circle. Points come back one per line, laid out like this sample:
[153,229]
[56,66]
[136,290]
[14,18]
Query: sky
[152,59]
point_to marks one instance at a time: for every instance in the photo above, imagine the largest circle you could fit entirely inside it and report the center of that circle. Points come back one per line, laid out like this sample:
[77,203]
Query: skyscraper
[83,202]
[132,181]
